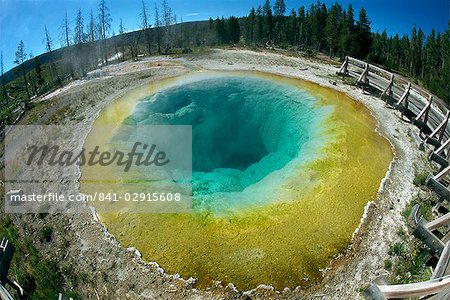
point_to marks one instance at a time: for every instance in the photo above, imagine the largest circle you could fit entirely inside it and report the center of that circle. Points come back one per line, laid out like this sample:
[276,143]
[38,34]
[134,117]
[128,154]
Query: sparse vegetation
[40,276]
[420,178]
[388,264]
[46,233]
[409,257]
[412,268]
[397,249]
[425,207]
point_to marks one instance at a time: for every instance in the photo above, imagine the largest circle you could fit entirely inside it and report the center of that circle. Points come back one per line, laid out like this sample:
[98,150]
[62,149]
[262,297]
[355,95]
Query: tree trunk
[26,83]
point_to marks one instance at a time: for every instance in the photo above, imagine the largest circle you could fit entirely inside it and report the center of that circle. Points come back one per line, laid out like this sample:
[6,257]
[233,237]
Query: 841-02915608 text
[139,197]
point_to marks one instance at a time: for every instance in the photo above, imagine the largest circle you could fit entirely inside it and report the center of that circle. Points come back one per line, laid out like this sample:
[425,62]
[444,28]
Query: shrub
[397,249]
[413,269]
[388,264]
[420,179]
[310,53]
[46,233]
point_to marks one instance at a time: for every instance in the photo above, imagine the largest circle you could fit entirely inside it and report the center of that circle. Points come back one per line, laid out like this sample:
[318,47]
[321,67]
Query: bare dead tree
[104,19]
[91,33]
[146,26]
[66,30]
[168,20]
[65,41]
[158,24]
[81,58]
[32,78]
[91,27]
[49,47]
[121,32]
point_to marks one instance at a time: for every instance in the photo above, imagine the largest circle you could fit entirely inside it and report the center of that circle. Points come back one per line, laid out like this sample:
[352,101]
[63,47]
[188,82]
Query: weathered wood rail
[425,110]
[420,289]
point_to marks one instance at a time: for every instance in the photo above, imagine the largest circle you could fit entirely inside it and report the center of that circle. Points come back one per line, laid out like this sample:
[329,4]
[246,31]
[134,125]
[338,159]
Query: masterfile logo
[118,168]
[56,156]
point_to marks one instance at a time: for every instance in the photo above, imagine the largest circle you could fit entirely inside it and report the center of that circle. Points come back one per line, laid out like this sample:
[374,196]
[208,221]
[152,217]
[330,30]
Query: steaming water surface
[282,170]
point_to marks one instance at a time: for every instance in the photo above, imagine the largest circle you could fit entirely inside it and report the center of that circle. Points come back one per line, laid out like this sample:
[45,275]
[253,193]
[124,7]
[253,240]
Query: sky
[25,19]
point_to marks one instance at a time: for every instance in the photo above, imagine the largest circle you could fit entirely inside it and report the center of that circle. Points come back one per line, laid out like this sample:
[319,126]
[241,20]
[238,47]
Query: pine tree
[6,105]
[417,38]
[234,30]
[268,18]
[4,92]
[301,25]
[66,34]
[364,35]
[292,28]
[413,64]
[332,32]
[348,35]
[405,60]
[316,20]
[445,50]
[252,22]
[395,53]
[221,31]
[121,28]
[432,60]
[279,10]
[104,19]
[259,24]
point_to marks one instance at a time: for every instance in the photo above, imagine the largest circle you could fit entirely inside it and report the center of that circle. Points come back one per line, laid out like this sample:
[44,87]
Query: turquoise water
[248,133]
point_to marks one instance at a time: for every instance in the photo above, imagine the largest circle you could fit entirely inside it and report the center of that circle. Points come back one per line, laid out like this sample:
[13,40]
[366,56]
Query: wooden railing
[424,109]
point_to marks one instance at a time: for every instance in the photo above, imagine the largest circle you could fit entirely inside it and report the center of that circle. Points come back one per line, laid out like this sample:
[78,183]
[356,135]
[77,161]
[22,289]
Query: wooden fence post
[403,107]
[388,90]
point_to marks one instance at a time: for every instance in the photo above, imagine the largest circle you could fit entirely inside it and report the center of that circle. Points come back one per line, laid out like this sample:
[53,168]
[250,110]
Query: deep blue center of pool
[243,128]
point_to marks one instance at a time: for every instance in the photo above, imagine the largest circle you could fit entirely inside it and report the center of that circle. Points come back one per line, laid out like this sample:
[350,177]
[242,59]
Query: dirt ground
[117,273]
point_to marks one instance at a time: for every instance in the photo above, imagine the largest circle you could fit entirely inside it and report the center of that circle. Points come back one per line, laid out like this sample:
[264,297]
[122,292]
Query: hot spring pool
[247,134]
[282,170]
